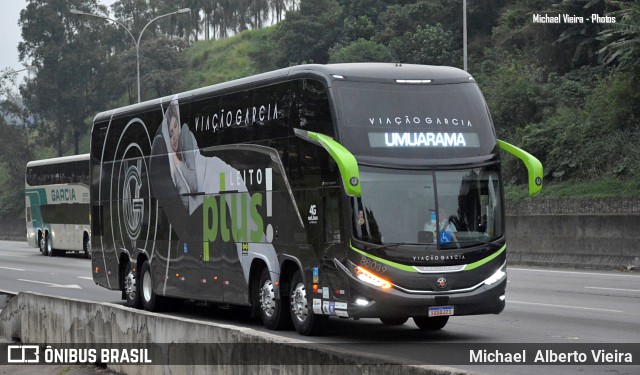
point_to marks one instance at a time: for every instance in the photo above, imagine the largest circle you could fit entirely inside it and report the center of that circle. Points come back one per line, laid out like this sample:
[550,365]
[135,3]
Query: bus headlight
[499,275]
[370,278]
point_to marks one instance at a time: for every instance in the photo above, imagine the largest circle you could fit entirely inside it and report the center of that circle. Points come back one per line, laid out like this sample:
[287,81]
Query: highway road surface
[544,306]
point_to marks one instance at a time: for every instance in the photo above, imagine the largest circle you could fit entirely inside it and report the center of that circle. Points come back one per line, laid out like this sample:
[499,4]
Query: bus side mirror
[534,167]
[347,163]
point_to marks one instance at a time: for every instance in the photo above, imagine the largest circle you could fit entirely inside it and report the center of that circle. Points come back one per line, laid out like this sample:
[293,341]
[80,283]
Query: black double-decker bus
[350,190]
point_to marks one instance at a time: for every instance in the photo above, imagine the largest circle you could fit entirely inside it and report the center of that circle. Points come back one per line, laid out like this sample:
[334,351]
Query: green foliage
[360,51]
[226,59]
[598,188]
[307,35]
[516,94]
[623,39]
[12,169]
[595,138]
[430,45]
[405,17]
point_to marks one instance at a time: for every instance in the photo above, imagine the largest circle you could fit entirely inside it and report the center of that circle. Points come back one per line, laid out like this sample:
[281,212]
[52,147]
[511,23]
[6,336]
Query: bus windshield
[450,209]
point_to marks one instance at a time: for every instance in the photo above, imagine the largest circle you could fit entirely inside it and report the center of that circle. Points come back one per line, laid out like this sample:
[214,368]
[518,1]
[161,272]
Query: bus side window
[313,110]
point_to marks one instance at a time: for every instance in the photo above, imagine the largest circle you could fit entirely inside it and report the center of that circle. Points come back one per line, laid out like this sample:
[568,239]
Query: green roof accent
[534,167]
[346,161]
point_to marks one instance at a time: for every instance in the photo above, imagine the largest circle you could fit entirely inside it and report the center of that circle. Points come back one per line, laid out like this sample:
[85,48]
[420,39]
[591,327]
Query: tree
[430,45]
[360,51]
[71,57]
[307,35]
[623,39]
[162,65]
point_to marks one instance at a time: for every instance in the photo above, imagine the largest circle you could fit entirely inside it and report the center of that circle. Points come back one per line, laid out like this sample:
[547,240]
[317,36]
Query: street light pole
[29,69]
[136,42]
[464,34]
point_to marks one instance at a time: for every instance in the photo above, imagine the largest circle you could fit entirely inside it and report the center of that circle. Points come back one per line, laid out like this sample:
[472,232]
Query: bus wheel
[271,307]
[431,324]
[86,246]
[393,321]
[130,287]
[47,245]
[304,320]
[42,244]
[149,300]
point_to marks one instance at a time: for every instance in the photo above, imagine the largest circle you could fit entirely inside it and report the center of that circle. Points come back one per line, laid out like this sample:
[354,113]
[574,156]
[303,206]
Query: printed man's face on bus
[174,133]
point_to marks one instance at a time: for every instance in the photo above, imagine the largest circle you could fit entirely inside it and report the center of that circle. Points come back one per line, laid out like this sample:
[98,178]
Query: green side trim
[205,251]
[534,167]
[406,268]
[346,161]
[223,183]
[387,262]
[486,260]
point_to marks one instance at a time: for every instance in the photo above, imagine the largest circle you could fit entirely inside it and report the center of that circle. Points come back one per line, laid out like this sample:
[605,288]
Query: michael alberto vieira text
[549,356]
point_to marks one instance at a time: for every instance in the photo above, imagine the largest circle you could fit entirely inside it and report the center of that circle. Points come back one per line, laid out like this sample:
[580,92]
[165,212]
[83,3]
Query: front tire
[305,321]
[431,324]
[393,321]
[272,309]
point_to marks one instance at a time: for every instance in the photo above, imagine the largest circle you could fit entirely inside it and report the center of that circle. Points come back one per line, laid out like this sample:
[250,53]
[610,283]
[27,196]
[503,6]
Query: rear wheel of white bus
[42,244]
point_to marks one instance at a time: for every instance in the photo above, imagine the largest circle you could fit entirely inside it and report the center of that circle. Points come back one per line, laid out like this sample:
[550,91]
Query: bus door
[324,231]
[333,241]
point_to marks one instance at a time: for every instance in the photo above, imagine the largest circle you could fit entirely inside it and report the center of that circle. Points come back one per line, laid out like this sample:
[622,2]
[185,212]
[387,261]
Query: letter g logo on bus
[132,204]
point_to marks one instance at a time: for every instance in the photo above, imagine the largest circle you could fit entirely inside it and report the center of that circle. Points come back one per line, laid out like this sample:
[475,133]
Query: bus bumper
[368,301]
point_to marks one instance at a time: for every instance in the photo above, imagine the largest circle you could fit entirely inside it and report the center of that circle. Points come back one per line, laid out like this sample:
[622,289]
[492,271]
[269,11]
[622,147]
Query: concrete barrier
[577,241]
[39,319]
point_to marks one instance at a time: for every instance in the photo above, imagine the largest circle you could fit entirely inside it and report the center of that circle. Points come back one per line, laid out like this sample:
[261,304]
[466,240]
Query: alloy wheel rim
[299,303]
[130,285]
[268,299]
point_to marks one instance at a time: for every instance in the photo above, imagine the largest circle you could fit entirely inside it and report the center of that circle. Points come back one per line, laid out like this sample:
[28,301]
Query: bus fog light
[499,275]
[502,298]
[361,302]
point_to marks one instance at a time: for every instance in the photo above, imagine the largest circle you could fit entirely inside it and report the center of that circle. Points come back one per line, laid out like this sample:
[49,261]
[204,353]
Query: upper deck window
[422,121]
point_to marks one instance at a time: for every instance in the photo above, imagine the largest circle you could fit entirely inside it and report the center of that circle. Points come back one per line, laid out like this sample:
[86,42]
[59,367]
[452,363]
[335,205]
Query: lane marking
[617,289]
[573,272]
[12,269]
[52,285]
[564,306]
[85,277]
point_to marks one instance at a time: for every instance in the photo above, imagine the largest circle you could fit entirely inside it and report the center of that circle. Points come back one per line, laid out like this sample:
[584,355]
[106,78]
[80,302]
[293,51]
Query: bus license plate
[440,311]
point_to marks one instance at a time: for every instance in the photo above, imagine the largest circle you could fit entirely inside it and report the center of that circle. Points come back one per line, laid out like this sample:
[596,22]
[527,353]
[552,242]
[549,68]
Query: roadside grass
[602,188]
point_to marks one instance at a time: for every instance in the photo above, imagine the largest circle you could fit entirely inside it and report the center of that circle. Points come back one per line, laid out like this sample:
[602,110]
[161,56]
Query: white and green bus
[57,205]
[350,190]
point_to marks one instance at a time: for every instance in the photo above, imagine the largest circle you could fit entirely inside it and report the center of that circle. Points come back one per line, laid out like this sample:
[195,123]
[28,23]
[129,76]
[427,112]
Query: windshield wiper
[392,245]
[478,243]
